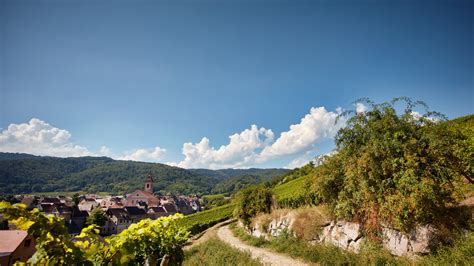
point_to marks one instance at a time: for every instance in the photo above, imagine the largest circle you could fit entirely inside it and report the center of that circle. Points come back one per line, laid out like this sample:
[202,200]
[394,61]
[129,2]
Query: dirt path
[206,235]
[266,257]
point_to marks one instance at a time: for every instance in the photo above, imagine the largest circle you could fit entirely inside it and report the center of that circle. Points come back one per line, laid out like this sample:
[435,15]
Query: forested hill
[25,173]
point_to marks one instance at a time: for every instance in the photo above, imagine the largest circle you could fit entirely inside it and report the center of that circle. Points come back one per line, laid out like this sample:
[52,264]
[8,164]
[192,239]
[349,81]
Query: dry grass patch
[308,221]
[305,222]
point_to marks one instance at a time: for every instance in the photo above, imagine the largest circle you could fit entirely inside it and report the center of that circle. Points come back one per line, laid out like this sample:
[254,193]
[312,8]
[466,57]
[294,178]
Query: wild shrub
[396,169]
[253,201]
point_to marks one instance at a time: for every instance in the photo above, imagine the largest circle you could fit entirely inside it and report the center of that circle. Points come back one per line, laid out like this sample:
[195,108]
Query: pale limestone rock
[395,242]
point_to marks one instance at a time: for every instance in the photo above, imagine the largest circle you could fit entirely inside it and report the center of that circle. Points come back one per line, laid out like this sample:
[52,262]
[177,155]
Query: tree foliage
[398,169]
[253,201]
[148,240]
[97,217]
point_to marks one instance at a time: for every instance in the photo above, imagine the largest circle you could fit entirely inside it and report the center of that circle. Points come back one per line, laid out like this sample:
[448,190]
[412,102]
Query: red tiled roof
[11,239]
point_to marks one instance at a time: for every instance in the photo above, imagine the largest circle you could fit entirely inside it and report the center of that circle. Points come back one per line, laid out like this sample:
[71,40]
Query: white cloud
[255,145]
[416,115]
[251,147]
[314,127]
[299,161]
[105,151]
[240,152]
[361,108]
[144,155]
[40,138]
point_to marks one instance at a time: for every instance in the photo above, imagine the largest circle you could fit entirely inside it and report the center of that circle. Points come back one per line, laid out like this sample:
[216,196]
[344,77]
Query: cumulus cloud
[40,138]
[240,152]
[144,155]
[299,161]
[105,151]
[256,146]
[361,108]
[313,127]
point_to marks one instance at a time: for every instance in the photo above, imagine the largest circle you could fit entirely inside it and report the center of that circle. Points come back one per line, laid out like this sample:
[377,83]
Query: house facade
[145,196]
[15,246]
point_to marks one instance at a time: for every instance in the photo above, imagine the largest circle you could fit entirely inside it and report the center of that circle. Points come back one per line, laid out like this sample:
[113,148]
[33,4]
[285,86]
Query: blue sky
[136,75]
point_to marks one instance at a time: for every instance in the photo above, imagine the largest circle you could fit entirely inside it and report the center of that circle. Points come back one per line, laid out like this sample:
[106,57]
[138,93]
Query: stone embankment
[349,236]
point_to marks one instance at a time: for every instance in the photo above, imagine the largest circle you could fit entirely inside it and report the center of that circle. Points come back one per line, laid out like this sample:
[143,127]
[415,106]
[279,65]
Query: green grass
[216,252]
[291,188]
[461,253]
[200,221]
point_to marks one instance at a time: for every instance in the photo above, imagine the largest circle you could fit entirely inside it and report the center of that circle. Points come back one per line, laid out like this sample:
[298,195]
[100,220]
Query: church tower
[149,184]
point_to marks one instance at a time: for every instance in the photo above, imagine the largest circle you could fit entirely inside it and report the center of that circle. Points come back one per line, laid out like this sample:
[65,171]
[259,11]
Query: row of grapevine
[295,193]
[200,221]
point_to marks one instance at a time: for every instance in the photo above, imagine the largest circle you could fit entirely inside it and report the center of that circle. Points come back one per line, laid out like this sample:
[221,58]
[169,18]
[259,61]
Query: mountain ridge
[26,173]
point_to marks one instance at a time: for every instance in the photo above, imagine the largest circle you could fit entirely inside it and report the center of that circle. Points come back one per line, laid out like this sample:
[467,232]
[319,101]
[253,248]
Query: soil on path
[206,235]
[265,256]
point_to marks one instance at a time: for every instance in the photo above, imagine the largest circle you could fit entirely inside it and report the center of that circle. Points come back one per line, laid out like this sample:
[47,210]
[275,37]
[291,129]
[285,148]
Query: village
[120,211]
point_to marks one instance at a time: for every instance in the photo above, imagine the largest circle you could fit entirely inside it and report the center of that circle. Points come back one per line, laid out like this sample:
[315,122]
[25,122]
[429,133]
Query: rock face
[345,235]
[348,235]
[274,228]
[418,241]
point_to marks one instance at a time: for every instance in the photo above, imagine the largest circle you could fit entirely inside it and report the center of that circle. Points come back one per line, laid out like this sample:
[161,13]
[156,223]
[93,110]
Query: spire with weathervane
[149,184]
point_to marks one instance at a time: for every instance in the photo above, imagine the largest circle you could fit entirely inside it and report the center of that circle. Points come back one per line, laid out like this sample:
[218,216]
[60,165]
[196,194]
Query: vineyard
[294,193]
[200,221]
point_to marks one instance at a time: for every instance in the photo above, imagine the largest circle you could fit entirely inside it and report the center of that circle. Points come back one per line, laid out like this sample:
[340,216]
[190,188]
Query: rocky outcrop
[419,241]
[345,235]
[349,236]
[274,228]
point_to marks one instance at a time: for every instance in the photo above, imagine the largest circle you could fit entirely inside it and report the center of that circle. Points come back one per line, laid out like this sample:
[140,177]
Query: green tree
[75,198]
[97,217]
[394,169]
[253,201]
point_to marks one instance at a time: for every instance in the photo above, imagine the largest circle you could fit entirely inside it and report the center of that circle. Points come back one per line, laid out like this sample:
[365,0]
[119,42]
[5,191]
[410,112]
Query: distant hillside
[25,173]
[229,173]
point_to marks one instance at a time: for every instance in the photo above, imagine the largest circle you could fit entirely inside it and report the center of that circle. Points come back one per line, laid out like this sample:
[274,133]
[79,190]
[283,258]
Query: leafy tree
[97,217]
[393,169]
[75,198]
[147,241]
[253,201]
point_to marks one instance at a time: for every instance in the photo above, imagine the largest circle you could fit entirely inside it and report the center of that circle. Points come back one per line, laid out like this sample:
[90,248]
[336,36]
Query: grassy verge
[461,253]
[216,252]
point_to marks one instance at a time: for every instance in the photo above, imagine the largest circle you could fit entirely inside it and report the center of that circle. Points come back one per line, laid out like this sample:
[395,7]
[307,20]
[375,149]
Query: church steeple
[149,184]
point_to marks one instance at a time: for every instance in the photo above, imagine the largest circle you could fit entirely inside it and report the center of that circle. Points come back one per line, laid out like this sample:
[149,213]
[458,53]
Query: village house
[112,202]
[87,204]
[136,214]
[15,246]
[157,212]
[118,220]
[146,195]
